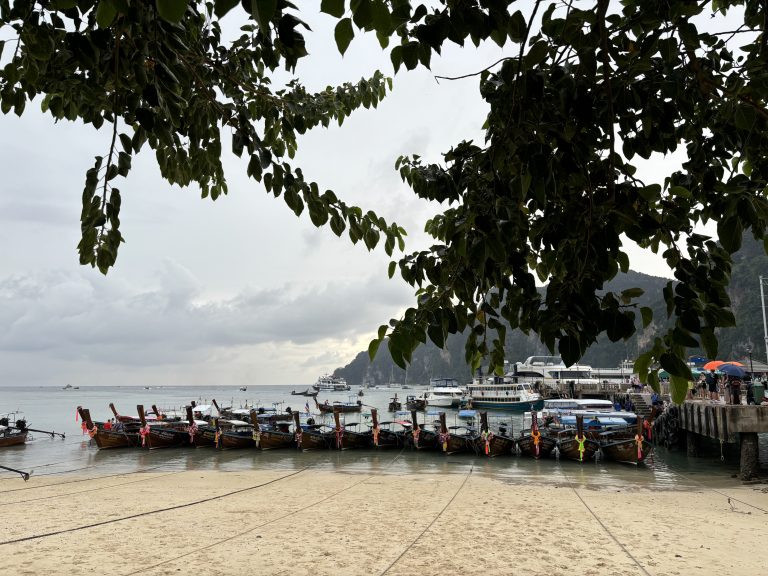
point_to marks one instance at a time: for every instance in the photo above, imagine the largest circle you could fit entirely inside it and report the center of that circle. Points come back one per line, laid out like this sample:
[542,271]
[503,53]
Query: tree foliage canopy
[586,90]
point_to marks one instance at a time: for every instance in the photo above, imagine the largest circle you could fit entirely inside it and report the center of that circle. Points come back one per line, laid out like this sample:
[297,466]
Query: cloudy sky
[239,291]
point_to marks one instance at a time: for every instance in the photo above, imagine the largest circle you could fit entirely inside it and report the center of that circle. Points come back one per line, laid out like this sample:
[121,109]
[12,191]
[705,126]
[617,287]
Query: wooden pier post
[749,463]
[692,442]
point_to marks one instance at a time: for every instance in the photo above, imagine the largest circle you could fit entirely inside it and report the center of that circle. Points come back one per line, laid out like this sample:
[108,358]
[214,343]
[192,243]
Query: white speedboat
[444,393]
[596,413]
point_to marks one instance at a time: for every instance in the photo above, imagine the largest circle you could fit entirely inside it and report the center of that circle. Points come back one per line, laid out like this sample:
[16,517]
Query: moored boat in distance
[328,407]
[331,384]
[503,393]
[549,373]
[444,393]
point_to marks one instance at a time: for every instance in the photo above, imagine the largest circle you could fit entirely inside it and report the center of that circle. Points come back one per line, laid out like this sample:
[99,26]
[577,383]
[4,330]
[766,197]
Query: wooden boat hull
[206,436]
[427,440]
[625,451]
[106,439]
[236,440]
[349,440]
[272,439]
[13,438]
[418,405]
[345,409]
[456,443]
[314,440]
[497,446]
[527,446]
[569,448]
[387,439]
[166,437]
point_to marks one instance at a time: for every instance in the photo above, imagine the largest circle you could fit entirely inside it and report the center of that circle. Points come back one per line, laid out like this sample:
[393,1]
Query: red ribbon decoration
[144,432]
[339,437]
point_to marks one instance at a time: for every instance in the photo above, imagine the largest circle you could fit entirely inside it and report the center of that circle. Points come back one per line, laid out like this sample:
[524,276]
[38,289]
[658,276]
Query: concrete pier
[728,423]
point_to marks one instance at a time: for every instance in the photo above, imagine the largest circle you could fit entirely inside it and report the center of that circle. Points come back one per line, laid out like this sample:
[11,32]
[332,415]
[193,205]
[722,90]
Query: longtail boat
[346,438]
[13,432]
[240,434]
[383,437]
[394,404]
[576,444]
[492,444]
[276,436]
[344,407]
[122,417]
[621,447]
[165,435]
[311,437]
[421,437]
[122,435]
[535,444]
[454,442]
[414,403]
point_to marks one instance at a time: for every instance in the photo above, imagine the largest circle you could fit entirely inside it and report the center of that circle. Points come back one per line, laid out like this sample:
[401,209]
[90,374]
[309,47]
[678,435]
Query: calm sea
[54,409]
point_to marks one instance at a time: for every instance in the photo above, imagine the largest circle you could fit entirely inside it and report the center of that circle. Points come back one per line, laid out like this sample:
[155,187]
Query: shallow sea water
[52,408]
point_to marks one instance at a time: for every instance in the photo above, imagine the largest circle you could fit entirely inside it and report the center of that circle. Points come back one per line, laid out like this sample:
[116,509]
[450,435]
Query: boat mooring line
[149,512]
[283,517]
[81,479]
[607,531]
[87,490]
[730,498]
[396,560]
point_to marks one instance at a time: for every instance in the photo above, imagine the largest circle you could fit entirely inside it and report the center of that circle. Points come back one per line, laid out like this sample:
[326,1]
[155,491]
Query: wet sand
[329,522]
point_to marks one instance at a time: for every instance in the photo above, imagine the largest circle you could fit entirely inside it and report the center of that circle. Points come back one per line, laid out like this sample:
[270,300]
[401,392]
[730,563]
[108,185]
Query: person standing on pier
[712,384]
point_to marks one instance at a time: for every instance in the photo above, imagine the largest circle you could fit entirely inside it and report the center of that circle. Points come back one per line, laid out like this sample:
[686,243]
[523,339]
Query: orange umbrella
[713,364]
[734,363]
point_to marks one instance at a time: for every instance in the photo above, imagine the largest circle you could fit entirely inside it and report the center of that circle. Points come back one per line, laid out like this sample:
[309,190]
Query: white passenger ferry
[331,384]
[549,372]
[503,393]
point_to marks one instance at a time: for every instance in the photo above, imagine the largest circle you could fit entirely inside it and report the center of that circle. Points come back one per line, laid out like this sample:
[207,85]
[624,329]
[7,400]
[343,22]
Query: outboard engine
[21,424]
[4,421]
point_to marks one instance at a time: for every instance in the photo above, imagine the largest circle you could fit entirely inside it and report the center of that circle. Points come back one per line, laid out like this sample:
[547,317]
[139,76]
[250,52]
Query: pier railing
[603,388]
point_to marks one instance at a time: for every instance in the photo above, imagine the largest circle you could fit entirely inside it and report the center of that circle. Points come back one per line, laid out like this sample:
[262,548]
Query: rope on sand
[411,545]
[86,491]
[253,528]
[80,479]
[607,531]
[150,512]
[700,483]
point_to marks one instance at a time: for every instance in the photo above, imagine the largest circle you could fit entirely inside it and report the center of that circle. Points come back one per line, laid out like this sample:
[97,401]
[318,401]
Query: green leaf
[675,365]
[343,33]
[647,315]
[63,4]
[172,10]
[105,13]
[221,7]
[332,7]
[536,54]
[729,231]
[373,347]
[392,268]
[630,293]
[263,11]
[678,388]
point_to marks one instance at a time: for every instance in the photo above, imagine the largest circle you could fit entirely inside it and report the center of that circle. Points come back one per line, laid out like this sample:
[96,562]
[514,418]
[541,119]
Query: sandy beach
[306,521]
